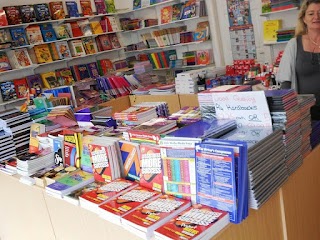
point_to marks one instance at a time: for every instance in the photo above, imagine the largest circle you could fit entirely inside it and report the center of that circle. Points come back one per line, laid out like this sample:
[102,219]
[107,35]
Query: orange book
[86,7]
[166,14]
[43,53]
[56,10]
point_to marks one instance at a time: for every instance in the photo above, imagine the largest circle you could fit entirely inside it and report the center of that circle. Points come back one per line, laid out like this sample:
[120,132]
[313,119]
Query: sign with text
[249,109]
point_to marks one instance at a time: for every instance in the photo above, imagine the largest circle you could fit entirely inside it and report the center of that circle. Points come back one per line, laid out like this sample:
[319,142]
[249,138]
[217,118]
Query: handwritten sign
[249,109]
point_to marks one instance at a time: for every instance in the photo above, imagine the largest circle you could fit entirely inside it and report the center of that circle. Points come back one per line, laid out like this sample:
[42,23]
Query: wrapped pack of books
[8,149]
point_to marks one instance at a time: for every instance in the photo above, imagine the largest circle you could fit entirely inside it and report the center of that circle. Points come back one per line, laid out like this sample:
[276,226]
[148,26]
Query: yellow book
[155,60]
[43,53]
[96,27]
[49,80]
[270,28]
[35,130]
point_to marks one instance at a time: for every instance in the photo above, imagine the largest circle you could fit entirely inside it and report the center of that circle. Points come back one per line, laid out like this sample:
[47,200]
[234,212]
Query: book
[72,9]
[58,149]
[130,155]
[63,49]
[35,130]
[69,182]
[105,191]
[166,14]
[21,87]
[27,13]
[196,222]
[100,6]
[49,80]
[53,51]
[80,71]
[90,45]
[33,34]
[7,91]
[114,40]
[13,15]
[104,43]
[61,31]
[85,27]
[96,27]
[86,7]
[4,62]
[42,12]
[111,8]
[189,9]
[76,48]
[151,167]
[19,58]
[34,81]
[64,76]
[116,208]
[48,32]
[176,11]
[3,18]
[93,69]
[75,28]
[57,10]
[203,57]
[18,36]
[150,216]
[270,28]
[42,53]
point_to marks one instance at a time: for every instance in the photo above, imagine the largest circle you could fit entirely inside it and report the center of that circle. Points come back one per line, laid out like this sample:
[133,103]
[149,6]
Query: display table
[292,213]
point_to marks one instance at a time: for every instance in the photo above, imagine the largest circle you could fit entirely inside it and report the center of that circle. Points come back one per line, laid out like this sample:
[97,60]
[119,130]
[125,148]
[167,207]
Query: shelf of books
[267,14]
[275,43]
[144,5]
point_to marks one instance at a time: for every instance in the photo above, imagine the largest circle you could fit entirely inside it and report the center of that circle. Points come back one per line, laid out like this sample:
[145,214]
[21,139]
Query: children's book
[105,191]
[58,149]
[111,8]
[89,45]
[69,182]
[96,27]
[42,12]
[18,36]
[56,10]
[3,18]
[21,87]
[61,31]
[34,81]
[85,28]
[65,76]
[27,13]
[93,69]
[149,216]
[4,62]
[80,71]
[42,53]
[72,9]
[75,28]
[166,14]
[197,222]
[13,15]
[63,49]
[49,80]
[151,167]
[176,11]
[105,43]
[53,51]
[114,40]
[130,155]
[34,35]
[8,91]
[19,58]
[203,57]
[76,48]
[189,9]
[48,32]
[86,7]
[72,147]
[35,130]
[100,6]
[116,208]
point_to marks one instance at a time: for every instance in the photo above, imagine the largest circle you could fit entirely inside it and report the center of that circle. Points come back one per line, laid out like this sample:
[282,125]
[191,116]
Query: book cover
[136,4]
[93,69]
[8,91]
[81,71]
[130,155]
[118,207]
[96,27]
[114,40]
[72,148]
[107,191]
[4,62]
[61,31]
[63,49]
[105,66]
[111,8]
[53,51]
[48,32]
[34,35]
[189,9]
[35,130]
[64,76]
[42,53]
[72,9]
[152,215]
[42,12]
[176,11]
[90,45]
[85,27]
[34,81]
[100,6]
[151,167]
[49,80]
[27,13]
[21,87]
[76,30]
[13,15]
[86,7]
[3,18]
[76,48]
[101,166]
[203,57]
[166,14]
[19,58]
[195,222]
[58,149]
[70,182]
[19,37]
[105,42]
[56,10]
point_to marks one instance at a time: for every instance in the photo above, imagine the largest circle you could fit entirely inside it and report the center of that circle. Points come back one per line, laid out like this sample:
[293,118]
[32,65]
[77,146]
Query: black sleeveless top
[308,75]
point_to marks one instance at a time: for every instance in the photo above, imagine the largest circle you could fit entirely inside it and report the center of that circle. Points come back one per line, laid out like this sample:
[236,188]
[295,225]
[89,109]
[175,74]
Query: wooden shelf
[281,11]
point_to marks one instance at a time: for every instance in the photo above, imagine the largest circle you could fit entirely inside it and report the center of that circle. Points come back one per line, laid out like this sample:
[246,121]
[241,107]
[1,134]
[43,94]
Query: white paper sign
[247,108]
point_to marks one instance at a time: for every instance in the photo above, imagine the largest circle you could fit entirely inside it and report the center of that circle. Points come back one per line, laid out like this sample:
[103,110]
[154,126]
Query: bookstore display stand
[27,212]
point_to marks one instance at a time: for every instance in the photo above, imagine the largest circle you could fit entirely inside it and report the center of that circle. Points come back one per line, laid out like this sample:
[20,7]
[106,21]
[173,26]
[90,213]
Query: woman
[300,64]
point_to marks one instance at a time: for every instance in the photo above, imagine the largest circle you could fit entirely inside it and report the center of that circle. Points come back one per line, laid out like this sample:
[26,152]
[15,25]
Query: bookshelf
[275,43]
[278,12]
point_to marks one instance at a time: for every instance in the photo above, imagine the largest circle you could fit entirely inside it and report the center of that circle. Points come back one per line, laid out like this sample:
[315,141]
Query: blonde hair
[301,28]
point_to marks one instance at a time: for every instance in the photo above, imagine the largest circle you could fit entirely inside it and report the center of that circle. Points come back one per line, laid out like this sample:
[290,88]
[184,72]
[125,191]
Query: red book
[3,18]
[13,15]
[116,208]
[105,66]
[76,30]
[92,199]
[151,167]
[105,42]
[21,87]
[197,222]
[86,7]
[146,218]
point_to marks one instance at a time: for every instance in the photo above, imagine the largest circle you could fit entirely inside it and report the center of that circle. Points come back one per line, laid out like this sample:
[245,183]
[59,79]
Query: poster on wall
[241,30]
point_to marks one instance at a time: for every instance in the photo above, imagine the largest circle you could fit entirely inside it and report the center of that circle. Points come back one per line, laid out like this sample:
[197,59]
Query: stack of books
[9,166]
[278,5]
[8,149]
[162,108]
[186,115]
[266,161]
[284,35]
[285,114]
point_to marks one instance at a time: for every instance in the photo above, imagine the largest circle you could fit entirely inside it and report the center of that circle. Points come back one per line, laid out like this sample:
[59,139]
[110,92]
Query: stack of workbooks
[19,124]
[186,115]
[284,35]
[9,166]
[266,161]
[7,149]
[306,101]
[285,114]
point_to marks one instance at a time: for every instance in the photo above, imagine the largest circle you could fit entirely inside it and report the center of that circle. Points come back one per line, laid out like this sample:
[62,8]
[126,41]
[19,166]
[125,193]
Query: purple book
[100,6]
[34,81]
[93,69]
